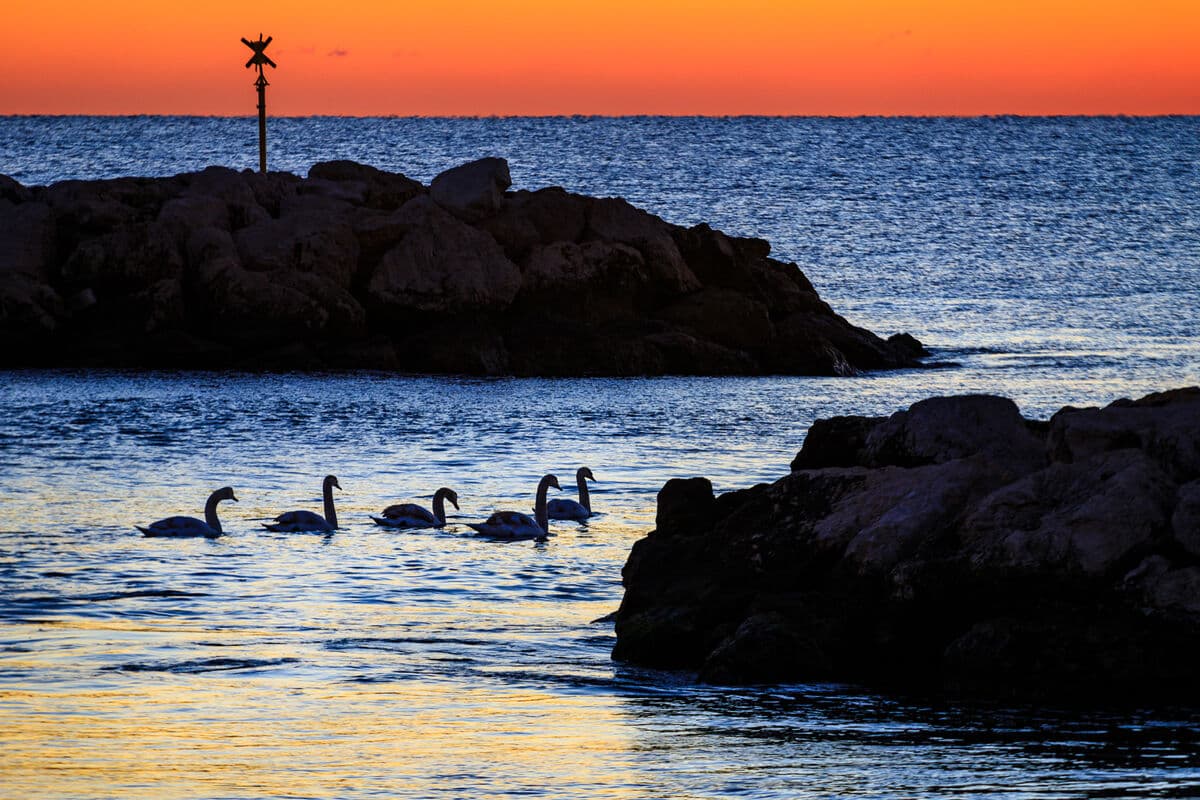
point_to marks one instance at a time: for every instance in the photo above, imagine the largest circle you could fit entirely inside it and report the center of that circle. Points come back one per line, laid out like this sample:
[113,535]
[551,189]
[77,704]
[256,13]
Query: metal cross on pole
[258,60]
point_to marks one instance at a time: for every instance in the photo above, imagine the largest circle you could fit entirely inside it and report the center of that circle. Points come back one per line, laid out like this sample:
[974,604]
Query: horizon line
[996,115]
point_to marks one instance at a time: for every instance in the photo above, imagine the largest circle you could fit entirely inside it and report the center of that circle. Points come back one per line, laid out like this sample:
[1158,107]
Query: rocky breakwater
[953,547]
[355,267]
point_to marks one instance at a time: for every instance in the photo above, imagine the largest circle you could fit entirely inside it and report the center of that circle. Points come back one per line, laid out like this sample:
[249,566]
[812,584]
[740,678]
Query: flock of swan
[505,525]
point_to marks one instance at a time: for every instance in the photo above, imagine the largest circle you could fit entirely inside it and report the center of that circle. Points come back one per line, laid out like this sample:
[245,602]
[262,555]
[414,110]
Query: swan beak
[454,503]
[234,499]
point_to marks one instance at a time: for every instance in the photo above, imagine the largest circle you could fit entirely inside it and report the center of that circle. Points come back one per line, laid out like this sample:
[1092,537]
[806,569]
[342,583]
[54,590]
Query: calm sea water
[1057,261]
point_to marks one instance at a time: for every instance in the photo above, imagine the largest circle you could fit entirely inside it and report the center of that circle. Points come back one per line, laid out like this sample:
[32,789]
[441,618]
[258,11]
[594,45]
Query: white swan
[411,515]
[564,508]
[513,525]
[190,526]
[300,521]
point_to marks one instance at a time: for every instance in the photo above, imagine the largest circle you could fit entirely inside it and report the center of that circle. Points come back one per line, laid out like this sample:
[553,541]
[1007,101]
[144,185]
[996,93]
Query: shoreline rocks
[355,267]
[953,547]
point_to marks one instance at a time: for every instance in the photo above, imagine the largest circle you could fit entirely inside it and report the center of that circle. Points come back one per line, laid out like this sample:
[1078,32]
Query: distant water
[1057,260]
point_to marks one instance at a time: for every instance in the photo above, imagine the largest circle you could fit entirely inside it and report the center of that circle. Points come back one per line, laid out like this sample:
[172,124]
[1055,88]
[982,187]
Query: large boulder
[26,239]
[442,265]
[614,220]
[305,241]
[472,191]
[381,190]
[954,546]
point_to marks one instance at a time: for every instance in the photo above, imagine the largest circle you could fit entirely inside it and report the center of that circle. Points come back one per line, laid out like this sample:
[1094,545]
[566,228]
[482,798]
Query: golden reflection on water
[277,733]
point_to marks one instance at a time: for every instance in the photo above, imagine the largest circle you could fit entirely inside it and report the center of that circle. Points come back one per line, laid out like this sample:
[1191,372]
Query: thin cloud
[338,52]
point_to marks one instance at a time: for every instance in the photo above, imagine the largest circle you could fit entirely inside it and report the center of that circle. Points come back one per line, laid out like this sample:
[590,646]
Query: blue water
[1055,260]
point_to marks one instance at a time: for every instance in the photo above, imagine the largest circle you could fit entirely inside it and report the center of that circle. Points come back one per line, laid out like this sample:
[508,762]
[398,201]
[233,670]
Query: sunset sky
[483,57]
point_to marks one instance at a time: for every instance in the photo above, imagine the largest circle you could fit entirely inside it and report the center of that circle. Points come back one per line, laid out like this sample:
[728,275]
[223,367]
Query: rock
[30,312]
[527,219]
[1163,425]
[26,239]
[949,548]
[835,442]
[614,220]
[305,242]
[234,189]
[1185,523]
[1089,516]
[442,265]
[684,504]
[908,344]
[765,648]
[12,191]
[244,308]
[723,316]
[593,281]
[386,191]
[472,191]
[941,429]
[274,270]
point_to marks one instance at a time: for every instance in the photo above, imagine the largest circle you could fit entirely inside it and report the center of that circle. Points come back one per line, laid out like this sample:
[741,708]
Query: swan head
[224,493]
[331,480]
[584,472]
[449,494]
[551,480]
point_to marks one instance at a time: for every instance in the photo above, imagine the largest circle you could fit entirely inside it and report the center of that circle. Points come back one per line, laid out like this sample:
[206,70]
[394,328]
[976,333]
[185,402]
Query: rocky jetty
[354,267]
[954,546]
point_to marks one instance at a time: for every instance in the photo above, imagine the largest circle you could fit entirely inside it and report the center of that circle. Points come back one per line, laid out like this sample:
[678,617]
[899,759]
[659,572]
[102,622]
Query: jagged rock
[26,239]
[442,265]
[723,316]
[128,259]
[352,255]
[942,429]
[305,241]
[234,189]
[29,311]
[380,190]
[1185,523]
[950,546]
[614,220]
[472,191]
[594,281]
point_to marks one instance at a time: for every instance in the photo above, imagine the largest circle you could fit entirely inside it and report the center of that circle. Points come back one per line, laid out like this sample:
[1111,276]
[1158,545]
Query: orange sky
[482,57]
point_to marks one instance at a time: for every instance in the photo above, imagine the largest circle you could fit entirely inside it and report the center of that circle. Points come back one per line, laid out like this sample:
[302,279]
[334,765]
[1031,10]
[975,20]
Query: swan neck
[210,513]
[330,513]
[585,498]
[439,507]
[539,508]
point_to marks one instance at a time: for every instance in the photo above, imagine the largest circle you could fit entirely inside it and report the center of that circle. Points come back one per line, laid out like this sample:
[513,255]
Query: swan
[513,525]
[411,515]
[190,526]
[564,508]
[299,521]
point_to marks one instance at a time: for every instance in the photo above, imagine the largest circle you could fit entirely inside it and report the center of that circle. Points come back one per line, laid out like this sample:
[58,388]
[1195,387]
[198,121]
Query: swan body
[303,521]
[513,525]
[182,527]
[563,508]
[411,515]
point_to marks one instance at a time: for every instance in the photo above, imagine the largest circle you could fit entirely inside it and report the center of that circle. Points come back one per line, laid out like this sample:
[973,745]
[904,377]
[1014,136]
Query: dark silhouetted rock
[951,546]
[472,191]
[442,265]
[282,271]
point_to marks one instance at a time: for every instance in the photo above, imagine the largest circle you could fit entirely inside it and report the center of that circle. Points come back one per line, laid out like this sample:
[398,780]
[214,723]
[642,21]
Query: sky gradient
[470,57]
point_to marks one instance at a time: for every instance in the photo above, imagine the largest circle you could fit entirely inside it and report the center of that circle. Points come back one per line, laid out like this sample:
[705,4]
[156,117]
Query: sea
[1055,261]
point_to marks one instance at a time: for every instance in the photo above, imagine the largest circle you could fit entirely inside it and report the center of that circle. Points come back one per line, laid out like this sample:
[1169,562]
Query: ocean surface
[1055,261]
